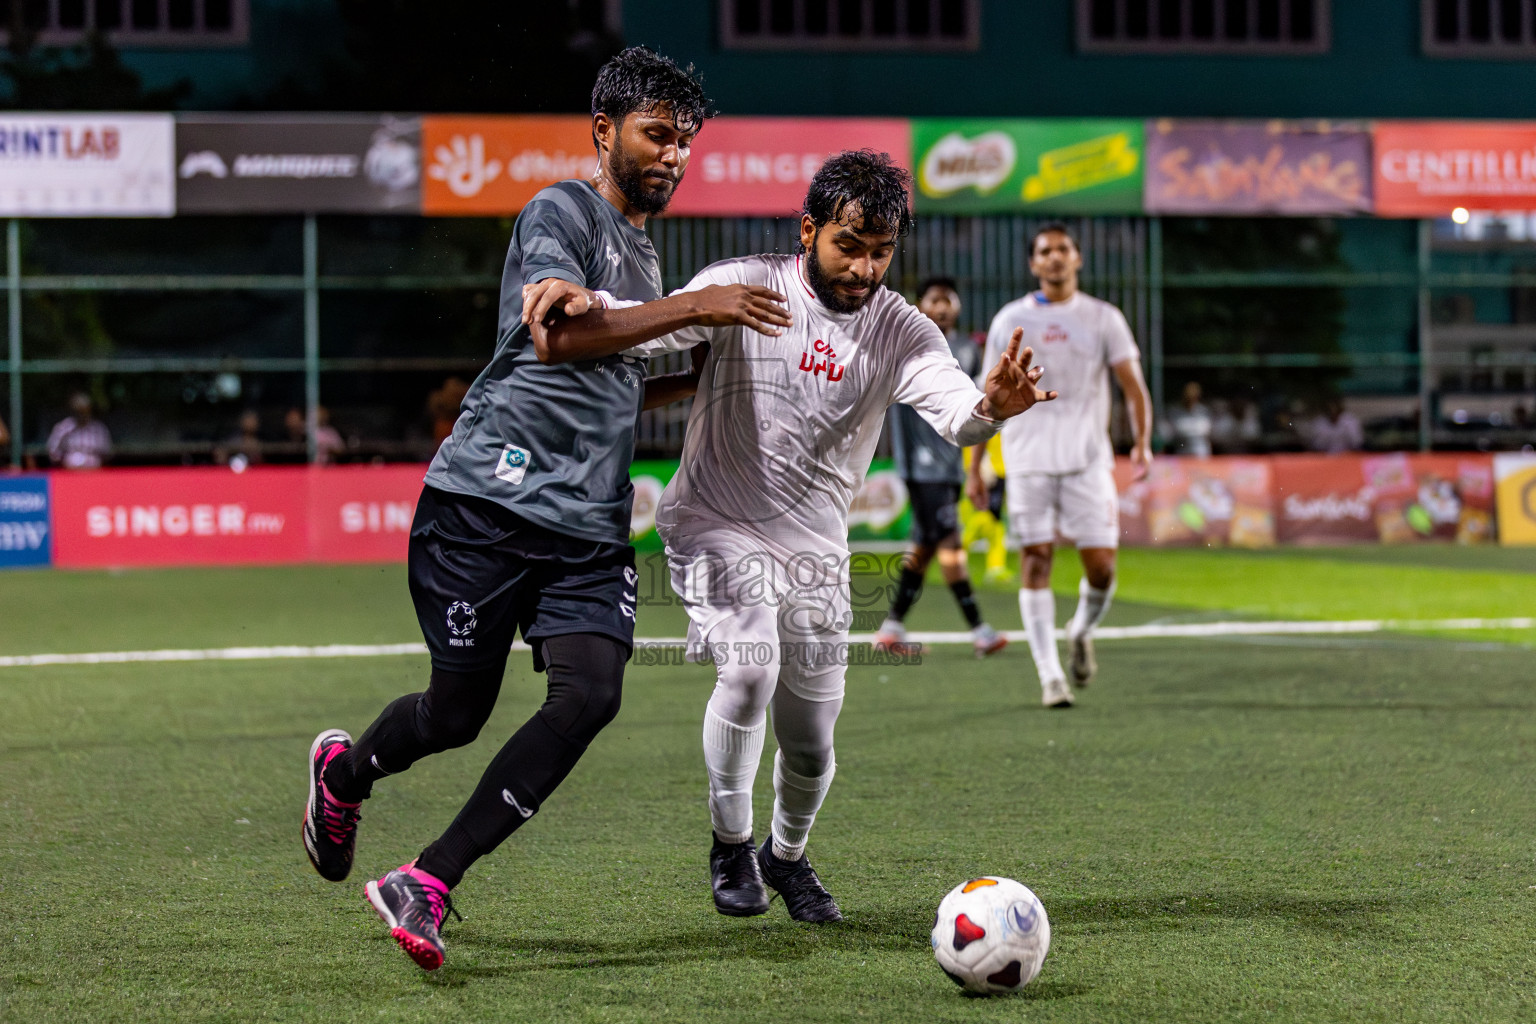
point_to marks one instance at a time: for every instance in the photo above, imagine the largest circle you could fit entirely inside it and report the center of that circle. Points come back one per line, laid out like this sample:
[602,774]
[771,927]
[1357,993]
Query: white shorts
[745,601]
[1082,507]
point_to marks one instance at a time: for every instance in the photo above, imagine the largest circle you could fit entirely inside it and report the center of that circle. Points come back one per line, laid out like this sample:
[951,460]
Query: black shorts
[934,512]
[995,499]
[479,573]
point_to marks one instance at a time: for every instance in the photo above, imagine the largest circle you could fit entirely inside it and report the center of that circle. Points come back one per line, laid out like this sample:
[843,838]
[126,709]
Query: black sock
[967,602]
[586,674]
[449,714]
[907,589]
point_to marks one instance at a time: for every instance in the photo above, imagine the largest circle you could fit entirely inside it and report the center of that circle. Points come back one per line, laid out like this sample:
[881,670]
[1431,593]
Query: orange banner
[479,166]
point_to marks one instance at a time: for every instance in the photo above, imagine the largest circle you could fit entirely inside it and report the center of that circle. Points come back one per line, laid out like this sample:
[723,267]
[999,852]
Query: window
[1203,26]
[850,24]
[1479,28]
[133,22]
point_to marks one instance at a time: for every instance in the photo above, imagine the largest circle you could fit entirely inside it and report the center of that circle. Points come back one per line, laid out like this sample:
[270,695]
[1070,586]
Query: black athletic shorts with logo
[480,573]
[934,512]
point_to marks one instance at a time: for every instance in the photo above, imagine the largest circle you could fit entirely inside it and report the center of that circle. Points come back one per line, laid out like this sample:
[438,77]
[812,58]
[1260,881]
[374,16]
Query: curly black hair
[869,180]
[639,79]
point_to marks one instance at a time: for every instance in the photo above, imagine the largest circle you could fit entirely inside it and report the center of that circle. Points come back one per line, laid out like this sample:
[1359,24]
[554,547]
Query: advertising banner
[1225,502]
[1392,499]
[25,524]
[87,165]
[134,517]
[1271,167]
[760,166]
[1010,165]
[297,164]
[362,513]
[879,512]
[478,166]
[1429,168]
[1515,477]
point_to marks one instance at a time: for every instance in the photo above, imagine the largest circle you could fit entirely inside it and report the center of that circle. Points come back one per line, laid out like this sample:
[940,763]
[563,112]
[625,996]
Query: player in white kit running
[756,520]
[1060,467]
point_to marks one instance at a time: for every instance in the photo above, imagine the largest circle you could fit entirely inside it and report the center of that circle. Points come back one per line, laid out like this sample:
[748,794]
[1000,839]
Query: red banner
[760,166]
[277,515]
[1391,499]
[1429,168]
[1209,502]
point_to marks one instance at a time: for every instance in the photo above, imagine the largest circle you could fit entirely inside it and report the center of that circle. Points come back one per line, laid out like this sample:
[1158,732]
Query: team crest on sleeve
[512,464]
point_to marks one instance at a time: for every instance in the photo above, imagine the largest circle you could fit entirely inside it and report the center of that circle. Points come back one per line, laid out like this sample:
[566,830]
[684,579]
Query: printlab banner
[87,165]
[1273,167]
[1429,168]
[1008,165]
[25,523]
[296,164]
[760,166]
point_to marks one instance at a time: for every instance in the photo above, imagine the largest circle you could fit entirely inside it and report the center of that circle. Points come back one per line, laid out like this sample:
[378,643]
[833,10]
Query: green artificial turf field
[1292,829]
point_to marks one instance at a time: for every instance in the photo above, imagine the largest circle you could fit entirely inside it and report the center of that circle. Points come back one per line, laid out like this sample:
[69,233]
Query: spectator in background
[244,447]
[5,435]
[79,441]
[1190,424]
[443,407]
[1335,431]
[328,440]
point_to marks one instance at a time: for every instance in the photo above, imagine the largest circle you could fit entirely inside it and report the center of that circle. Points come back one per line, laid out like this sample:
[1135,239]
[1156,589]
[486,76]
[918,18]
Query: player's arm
[1139,404]
[562,336]
[933,384]
[975,484]
[666,388]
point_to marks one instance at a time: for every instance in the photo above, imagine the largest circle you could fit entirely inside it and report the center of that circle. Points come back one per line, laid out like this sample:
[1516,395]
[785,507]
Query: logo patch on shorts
[512,464]
[461,623]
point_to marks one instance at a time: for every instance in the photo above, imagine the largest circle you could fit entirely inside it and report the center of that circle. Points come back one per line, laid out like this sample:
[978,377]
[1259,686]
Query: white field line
[1192,630]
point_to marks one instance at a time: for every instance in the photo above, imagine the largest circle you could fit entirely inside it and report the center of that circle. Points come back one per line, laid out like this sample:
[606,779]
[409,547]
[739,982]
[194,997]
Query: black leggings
[586,677]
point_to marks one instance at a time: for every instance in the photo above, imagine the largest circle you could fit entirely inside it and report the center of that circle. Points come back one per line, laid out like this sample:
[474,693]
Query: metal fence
[1128,261]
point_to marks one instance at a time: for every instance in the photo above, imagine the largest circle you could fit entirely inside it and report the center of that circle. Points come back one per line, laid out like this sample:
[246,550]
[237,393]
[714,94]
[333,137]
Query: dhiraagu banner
[979,165]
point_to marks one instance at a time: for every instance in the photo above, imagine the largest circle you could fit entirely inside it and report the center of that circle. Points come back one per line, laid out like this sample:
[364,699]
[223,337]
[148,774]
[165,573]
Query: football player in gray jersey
[933,472]
[524,521]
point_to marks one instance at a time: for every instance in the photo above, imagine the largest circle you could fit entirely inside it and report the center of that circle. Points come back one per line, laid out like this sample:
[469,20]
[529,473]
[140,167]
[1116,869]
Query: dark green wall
[1028,65]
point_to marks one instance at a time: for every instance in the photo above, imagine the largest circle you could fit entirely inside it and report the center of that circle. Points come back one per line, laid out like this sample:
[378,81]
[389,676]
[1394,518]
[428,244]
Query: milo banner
[1011,166]
[880,511]
[1276,167]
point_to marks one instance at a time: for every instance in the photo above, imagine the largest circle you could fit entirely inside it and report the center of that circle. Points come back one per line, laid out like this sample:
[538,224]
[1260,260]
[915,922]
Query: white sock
[796,799]
[1038,610]
[1092,604]
[731,755]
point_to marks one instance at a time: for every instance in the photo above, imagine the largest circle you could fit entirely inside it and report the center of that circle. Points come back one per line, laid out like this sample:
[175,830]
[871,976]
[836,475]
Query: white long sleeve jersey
[783,428]
[1077,342]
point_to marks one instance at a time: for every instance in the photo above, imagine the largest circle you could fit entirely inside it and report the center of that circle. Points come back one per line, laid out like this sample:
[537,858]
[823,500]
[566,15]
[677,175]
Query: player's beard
[821,284]
[629,176]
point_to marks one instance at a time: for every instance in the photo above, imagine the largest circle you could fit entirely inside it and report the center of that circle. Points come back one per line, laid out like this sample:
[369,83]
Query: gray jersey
[554,443]
[921,454]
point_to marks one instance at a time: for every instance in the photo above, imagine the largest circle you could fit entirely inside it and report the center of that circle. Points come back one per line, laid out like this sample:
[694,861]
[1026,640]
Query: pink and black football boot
[413,904]
[330,825]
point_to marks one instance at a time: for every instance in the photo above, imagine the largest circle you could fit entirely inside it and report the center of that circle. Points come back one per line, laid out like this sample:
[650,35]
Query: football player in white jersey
[756,520]
[1060,467]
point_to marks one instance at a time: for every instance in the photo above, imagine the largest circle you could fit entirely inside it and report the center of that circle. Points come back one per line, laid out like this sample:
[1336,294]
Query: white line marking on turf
[1157,631]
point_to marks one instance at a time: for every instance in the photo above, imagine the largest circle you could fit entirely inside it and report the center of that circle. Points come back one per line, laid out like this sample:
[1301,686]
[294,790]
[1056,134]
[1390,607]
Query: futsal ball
[991,935]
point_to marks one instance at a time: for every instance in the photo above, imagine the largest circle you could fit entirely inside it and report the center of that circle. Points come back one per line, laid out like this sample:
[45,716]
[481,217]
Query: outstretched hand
[1010,386]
